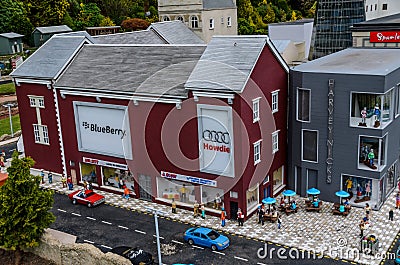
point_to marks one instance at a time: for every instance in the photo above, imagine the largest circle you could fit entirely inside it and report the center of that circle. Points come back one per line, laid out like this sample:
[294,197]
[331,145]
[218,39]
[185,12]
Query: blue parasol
[342,194]
[269,200]
[288,193]
[313,191]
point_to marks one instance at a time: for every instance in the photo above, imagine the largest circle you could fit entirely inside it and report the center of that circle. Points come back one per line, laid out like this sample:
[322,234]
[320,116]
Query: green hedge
[7,88]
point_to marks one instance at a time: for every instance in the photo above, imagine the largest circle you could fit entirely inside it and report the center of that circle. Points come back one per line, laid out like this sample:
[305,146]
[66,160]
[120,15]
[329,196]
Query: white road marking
[239,258]
[197,247]
[177,242]
[159,237]
[76,214]
[105,246]
[91,218]
[259,263]
[60,210]
[216,252]
[141,232]
[108,223]
[90,242]
[123,227]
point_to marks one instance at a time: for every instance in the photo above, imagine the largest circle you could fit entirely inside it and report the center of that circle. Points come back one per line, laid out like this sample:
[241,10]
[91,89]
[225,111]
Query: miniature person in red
[223,215]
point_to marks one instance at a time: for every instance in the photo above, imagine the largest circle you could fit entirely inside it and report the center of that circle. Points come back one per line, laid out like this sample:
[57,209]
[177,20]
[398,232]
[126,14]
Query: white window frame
[194,22]
[229,21]
[302,147]
[257,152]
[41,134]
[275,101]
[36,101]
[297,105]
[275,141]
[256,109]
[212,23]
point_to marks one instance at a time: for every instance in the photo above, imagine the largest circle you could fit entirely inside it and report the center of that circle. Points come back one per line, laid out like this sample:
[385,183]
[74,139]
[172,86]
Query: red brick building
[189,122]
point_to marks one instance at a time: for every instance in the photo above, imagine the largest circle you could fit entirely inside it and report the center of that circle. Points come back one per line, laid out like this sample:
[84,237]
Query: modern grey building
[333,19]
[344,125]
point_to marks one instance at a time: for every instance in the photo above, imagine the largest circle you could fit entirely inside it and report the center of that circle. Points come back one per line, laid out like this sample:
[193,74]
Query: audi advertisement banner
[215,132]
[103,129]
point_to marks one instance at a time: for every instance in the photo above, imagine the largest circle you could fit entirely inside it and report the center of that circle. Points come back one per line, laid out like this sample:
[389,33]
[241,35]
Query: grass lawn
[5,125]
[6,89]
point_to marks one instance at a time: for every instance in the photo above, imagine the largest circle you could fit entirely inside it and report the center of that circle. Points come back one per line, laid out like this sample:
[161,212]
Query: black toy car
[137,256]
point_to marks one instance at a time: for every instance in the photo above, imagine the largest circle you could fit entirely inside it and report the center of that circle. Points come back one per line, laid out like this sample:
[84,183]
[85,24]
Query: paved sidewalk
[303,230]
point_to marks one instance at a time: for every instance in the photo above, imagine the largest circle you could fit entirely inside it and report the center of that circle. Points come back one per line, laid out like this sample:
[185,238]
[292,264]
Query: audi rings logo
[216,136]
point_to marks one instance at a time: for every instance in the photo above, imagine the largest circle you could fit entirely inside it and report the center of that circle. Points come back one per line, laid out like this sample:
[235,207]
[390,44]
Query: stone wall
[78,254]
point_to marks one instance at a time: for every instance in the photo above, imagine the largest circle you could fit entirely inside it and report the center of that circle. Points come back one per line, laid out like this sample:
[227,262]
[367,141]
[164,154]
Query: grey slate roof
[79,33]
[364,61]
[135,37]
[53,29]
[132,69]
[294,22]
[226,64]
[391,22]
[11,35]
[175,32]
[50,58]
[214,4]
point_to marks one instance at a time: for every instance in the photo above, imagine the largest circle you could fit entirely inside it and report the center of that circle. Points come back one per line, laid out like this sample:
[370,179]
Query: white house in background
[296,31]
[292,53]
[381,8]
[204,17]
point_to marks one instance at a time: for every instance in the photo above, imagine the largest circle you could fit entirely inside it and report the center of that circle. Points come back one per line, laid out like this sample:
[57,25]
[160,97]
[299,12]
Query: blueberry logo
[85,125]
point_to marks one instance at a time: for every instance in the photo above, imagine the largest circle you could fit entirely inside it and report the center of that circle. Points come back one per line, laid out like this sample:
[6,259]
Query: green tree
[46,12]
[24,207]
[13,17]
[89,16]
[106,22]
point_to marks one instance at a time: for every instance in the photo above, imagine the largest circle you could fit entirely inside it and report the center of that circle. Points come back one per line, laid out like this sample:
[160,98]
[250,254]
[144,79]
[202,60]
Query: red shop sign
[384,36]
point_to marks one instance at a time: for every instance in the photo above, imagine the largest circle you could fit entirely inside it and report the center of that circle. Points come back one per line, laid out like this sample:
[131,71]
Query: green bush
[6,89]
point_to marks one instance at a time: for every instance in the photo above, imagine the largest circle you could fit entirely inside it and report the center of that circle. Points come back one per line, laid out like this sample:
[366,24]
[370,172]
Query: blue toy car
[397,260]
[206,237]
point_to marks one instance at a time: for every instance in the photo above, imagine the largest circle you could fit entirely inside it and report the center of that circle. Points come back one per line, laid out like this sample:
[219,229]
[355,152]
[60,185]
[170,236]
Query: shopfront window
[362,190]
[117,178]
[88,173]
[252,197]
[372,153]
[178,190]
[372,110]
[390,179]
[212,197]
[277,178]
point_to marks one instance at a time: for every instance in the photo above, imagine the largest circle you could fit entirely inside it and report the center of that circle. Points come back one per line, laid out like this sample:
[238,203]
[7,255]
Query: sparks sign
[384,36]
[215,139]
[103,129]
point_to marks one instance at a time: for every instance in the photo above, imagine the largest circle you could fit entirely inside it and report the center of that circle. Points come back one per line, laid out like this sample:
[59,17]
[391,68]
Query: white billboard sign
[215,136]
[103,129]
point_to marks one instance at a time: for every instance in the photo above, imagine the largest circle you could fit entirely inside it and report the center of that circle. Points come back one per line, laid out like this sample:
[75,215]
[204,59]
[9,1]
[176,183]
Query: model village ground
[302,233]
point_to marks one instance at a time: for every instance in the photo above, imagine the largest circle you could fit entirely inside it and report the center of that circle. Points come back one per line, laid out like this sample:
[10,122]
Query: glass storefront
[88,173]
[277,178]
[117,178]
[390,179]
[187,192]
[211,197]
[363,190]
[252,197]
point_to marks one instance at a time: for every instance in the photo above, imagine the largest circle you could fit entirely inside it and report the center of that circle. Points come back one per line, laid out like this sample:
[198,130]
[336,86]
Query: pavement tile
[302,230]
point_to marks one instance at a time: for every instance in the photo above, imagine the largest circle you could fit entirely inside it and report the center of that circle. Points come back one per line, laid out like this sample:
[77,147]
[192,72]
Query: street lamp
[156,212]
[9,106]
